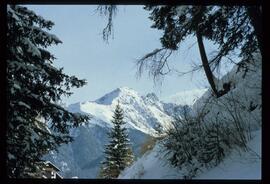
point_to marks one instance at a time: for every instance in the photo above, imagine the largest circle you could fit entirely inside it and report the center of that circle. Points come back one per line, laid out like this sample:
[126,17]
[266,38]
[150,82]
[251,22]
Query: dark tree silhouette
[118,154]
[37,123]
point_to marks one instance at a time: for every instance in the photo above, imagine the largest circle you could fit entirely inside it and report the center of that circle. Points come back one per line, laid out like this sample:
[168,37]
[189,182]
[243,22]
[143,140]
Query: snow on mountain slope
[144,116]
[243,100]
[143,113]
[154,165]
[185,97]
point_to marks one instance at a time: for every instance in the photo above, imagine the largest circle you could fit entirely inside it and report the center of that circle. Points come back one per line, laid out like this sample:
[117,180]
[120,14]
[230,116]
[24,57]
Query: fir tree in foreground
[118,154]
[37,123]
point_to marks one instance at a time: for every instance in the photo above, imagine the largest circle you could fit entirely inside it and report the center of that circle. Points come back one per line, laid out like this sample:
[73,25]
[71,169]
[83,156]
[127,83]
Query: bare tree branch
[108,11]
[156,62]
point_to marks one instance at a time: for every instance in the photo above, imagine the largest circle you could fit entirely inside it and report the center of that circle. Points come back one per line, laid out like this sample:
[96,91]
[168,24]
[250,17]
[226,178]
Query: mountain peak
[125,89]
[117,94]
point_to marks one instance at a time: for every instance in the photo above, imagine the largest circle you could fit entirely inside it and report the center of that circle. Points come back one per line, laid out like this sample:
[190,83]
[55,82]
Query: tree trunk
[205,63]
[255,15]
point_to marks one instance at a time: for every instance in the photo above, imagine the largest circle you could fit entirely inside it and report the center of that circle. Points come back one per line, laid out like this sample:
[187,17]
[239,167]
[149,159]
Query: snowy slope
[246,165]
[243,101]
[153,165]
[144,116]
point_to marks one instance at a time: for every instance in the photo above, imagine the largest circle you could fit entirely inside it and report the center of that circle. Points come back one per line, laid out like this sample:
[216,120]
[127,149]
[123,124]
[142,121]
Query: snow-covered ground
[243,165]
[152,165]
[238,165]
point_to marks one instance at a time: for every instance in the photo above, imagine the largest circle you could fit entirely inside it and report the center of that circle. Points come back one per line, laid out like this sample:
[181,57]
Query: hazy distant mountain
[188,97]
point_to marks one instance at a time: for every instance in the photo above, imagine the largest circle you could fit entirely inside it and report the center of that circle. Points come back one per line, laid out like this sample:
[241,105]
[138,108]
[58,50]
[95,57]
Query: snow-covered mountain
[143,113]
[144,116]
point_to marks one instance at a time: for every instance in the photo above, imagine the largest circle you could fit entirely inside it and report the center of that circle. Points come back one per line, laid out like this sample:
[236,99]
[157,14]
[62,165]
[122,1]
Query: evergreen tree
[37,123]
[118,154]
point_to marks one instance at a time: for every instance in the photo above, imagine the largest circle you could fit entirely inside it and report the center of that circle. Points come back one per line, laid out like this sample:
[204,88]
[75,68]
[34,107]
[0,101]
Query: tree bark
[255,15]
[206,67]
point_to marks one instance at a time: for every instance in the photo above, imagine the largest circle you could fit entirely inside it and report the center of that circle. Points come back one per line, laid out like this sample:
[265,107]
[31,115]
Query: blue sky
[108,66]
